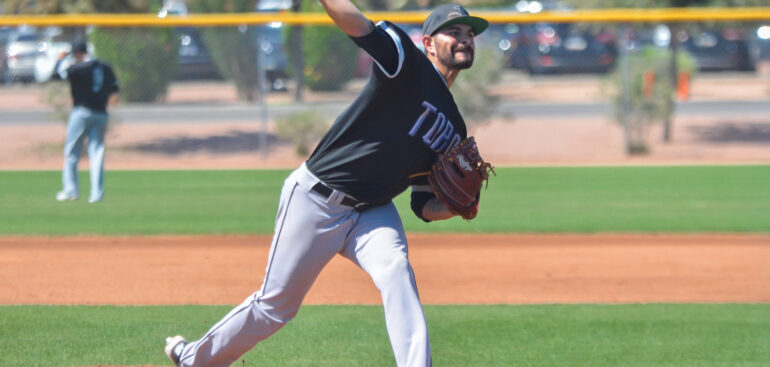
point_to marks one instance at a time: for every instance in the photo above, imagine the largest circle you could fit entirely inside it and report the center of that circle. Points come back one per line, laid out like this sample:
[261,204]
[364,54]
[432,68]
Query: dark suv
[715,49]
[194,59]
[274,53]
[555,47]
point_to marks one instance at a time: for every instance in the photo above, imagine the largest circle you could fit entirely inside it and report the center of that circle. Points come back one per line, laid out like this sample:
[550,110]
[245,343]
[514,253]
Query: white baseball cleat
[63,196]
[174,347]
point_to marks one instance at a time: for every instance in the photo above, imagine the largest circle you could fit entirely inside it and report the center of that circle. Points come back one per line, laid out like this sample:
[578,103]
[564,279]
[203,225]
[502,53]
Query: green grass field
[547,199]
[497,335]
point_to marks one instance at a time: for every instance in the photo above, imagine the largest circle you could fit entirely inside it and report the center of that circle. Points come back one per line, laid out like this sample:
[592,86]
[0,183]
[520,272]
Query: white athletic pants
[83,123]
[309,231]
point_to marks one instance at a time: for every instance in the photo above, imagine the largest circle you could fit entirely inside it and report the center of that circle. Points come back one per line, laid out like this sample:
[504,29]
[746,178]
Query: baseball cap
[80,47]
[449,14]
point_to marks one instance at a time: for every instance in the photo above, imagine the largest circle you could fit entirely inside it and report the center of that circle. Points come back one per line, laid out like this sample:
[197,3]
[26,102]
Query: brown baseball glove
[458,176]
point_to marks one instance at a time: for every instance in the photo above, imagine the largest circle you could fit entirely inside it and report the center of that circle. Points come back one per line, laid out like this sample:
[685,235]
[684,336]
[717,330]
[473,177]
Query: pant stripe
[245,307]
[278,233]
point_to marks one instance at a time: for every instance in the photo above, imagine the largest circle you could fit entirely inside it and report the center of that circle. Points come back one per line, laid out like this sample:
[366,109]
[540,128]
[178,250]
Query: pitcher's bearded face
[455,47]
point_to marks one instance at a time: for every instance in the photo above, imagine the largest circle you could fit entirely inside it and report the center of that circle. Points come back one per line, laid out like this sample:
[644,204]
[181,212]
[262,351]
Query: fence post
[296,50]
[261,76]
[625,82]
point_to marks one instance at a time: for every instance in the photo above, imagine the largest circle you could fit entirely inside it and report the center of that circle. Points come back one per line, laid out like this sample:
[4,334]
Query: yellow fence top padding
[234,19]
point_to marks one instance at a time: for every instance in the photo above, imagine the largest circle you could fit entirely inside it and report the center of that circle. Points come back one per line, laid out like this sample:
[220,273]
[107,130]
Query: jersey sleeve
[65,70]
[421,193]
[386,47]
[114,85]
[59,70]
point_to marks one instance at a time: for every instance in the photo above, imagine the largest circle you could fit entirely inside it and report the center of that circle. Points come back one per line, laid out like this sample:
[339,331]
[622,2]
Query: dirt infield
[457,269]
[464,269]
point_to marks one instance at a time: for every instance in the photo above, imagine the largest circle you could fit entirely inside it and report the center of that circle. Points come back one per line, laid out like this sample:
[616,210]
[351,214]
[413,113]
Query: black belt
[326,191]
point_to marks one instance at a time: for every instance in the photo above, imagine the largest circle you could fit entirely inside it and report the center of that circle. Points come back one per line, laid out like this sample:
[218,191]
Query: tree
[324,69]
[76,6]
[641,92]
[472,89]
[233,49]
[144,59]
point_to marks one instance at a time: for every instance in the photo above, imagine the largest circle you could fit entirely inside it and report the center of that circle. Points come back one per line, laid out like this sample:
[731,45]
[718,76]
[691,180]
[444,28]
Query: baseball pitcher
[403,130]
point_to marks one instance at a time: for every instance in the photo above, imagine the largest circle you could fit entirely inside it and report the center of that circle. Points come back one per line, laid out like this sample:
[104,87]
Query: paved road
[245,113]
[711,108]
[719,84]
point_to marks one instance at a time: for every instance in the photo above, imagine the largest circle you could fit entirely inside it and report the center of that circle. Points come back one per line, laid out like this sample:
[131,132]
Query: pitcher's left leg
[378,246]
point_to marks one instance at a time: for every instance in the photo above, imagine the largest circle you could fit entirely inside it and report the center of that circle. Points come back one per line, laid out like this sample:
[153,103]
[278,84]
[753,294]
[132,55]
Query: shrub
[303,129]
[234,53]
[144,59]
[57,96]
[330,58]
[233,49]
[651,92]
[471,89]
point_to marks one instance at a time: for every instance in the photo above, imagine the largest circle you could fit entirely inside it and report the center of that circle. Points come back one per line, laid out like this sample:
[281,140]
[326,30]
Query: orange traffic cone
[683,86]
[648,83]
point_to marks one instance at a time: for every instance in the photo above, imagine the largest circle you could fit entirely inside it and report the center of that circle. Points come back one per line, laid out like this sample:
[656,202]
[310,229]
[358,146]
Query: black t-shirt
[404,117]
[91,83]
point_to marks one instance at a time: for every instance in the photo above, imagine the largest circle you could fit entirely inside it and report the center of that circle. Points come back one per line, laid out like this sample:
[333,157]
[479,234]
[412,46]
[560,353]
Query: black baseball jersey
[404,117]
[91,83]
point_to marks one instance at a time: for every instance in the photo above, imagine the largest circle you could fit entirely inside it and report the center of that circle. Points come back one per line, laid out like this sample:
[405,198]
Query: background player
[339,201]
[92,84]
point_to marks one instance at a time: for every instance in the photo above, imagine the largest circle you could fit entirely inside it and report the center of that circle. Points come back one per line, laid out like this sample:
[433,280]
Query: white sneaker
[174,348]
[63,196]
[96,200]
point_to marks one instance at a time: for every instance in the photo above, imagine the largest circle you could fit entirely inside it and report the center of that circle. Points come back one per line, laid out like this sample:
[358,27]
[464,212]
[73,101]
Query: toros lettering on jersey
[441,134]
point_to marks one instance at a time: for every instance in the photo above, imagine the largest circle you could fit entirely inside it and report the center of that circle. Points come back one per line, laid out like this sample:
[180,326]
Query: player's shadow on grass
[734,132]
[231,142]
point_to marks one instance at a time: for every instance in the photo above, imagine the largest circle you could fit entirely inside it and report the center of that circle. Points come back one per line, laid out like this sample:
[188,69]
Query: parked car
[501,37]
[556,47]
[559,47]
[658,36]
[194,59]
[172,7]
[274,53]
[516,47]
[714,49]
[273,46]
[5,35]
[21,52]
[760,44]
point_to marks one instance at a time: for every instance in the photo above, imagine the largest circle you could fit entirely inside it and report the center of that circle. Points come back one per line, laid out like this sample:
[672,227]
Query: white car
[21,52]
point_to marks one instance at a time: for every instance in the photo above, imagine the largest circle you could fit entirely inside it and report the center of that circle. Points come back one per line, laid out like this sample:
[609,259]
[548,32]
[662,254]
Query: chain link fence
[266,74]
